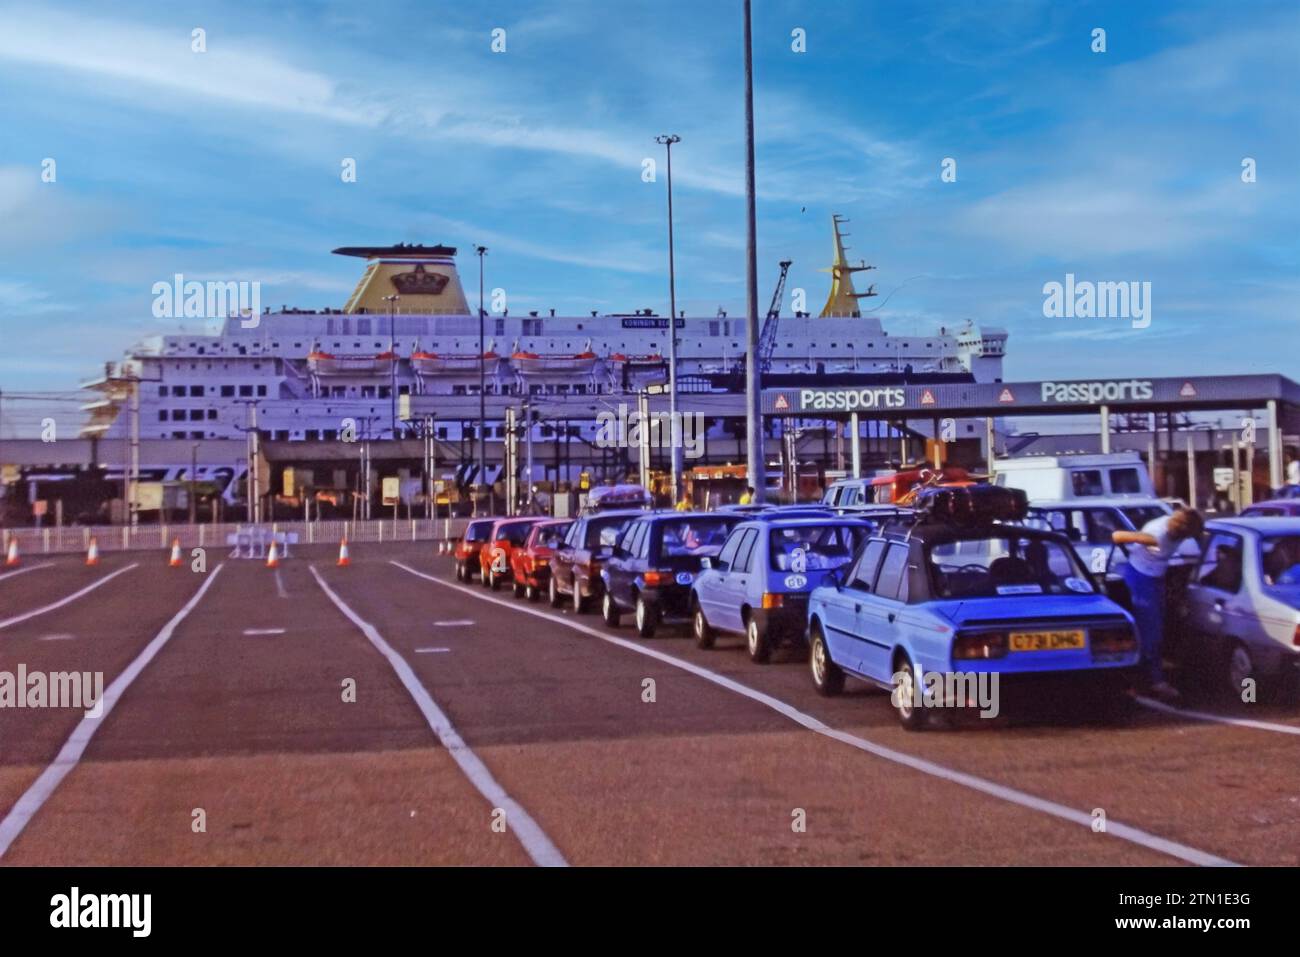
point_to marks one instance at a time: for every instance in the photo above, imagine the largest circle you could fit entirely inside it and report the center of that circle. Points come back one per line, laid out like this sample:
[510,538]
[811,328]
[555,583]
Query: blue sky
[1123,165]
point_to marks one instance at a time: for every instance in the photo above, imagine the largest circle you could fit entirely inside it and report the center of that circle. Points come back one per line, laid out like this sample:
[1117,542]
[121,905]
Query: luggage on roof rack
[972,505]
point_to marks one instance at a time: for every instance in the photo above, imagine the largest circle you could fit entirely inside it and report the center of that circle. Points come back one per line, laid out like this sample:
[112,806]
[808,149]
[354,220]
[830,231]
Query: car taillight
[540,561]
[773,599]
[980,644]
[1295,638]
[655,578]
[1104,641]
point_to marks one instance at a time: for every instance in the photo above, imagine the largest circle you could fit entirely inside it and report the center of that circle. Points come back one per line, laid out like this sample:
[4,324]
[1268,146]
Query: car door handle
[857,607]
[891,616]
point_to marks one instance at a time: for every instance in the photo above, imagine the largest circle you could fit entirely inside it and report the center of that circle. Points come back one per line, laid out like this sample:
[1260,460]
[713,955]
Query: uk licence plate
[1047,640]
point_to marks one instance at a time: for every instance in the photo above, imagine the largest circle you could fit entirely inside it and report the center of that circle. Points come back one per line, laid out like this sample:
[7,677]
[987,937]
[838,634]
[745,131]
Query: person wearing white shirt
[1144,573]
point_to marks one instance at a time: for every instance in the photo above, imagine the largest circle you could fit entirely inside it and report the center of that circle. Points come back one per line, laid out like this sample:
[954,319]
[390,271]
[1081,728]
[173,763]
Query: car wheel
[518,589]
[704,633]
[827,676]
[494,581]
[579,603]
[910,715]
[756,638]
[460,571]
[647,618]
[531,592]
[609,610]
[1238,668]
[553,593]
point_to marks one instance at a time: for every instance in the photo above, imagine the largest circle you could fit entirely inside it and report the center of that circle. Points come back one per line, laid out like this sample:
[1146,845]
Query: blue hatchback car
[758,584]
[930,598]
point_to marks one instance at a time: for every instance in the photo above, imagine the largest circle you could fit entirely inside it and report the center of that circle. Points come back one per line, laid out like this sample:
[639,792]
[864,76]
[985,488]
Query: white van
[1056,478]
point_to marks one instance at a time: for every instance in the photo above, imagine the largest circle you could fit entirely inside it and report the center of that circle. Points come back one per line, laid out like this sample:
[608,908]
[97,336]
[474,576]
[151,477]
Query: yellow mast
[843,300]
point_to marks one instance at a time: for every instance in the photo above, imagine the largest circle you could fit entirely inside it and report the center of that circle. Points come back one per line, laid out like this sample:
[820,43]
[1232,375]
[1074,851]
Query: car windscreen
[597,525]
[1139,515]
[693,536]
[514,532]
[478,531]
[1003,564]
[801,548]
[1279,560]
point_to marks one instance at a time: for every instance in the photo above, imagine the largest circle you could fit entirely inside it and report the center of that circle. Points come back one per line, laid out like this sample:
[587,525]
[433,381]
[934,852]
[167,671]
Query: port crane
[767,338]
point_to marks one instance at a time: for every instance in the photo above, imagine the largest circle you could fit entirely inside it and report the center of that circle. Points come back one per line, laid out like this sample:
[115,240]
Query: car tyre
[609,610]
[903,698]
[827,676]
[579,603]
[647,618]
[460,571]
[704,633]
[757,640]
[1238,667]
[531,592]
[518,589]
[553,594]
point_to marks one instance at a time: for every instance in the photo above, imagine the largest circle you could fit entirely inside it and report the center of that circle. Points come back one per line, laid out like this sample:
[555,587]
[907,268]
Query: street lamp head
[480,250]
[668,139]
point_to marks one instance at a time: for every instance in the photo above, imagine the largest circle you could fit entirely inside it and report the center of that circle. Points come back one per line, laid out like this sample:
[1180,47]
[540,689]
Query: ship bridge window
[178,390]
[227,391]
[196,390]
[212,413]
[162,415]
[713,327]
[261,390]
[363,327]
[246,391]
[162,390]
[367,392]
[499,325]
[196,415]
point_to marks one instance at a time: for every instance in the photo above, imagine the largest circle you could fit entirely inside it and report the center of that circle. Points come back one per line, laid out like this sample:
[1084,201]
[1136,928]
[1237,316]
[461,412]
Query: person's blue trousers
[1149,613]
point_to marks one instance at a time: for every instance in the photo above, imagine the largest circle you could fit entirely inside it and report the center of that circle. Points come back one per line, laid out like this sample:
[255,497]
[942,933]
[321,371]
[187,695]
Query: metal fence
[108,538]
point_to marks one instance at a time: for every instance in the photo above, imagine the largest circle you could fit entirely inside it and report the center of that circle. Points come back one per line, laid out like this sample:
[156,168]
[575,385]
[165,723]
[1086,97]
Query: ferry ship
[408,329]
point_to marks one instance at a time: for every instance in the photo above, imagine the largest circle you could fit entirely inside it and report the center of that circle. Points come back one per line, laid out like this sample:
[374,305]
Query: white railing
[76,538]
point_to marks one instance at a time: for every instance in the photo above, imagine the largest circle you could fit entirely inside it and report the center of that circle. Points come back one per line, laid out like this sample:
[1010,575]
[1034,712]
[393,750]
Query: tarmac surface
[382,713]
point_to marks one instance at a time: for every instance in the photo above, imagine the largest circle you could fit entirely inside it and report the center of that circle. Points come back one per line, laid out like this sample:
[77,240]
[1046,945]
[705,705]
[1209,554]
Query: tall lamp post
[756,461]
[392,379]
[482,376]
[675,453]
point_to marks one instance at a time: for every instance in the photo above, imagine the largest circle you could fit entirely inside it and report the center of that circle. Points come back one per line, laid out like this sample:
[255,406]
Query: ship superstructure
[407,328]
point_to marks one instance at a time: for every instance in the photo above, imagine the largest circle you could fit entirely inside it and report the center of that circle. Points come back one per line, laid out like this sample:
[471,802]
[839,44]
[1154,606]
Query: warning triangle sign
[1187,391]
[781,403]
[1006,396]
[927,397]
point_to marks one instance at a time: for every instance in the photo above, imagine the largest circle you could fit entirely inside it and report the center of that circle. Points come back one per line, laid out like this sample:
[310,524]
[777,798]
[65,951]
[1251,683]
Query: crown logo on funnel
[417,282]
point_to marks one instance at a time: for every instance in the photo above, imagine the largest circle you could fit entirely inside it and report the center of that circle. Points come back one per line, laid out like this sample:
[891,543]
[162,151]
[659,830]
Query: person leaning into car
[1144,573]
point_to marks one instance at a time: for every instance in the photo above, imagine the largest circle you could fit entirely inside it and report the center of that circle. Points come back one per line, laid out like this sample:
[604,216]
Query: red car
[494,557]
[468,547]
[531,564]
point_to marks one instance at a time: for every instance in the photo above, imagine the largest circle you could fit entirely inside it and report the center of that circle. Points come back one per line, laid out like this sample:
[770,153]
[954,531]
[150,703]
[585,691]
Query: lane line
[1113,828]
[64,601]
[36,795]
[1155,705]
[263,631]
[279,584]
[430,651]
[23,571]
[530,834]
[455,623]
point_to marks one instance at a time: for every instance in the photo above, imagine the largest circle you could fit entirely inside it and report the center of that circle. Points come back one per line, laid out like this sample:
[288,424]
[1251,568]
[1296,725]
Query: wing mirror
[608,537]
[706,564]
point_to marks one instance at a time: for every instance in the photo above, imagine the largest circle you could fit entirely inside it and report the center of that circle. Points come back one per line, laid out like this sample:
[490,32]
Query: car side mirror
[706,564]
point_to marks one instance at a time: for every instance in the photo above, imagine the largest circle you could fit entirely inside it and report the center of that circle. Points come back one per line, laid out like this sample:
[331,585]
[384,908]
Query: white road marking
[530,835]
[263,631]
[56,638]
[24,571]
[1217,718]
[430,651]
[36,795]
[1113,828]
[455,623]
[64,601]
[279,584]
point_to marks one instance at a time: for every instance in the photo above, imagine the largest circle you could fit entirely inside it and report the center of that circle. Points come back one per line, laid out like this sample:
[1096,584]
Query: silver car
[1241,609]
[1090,523]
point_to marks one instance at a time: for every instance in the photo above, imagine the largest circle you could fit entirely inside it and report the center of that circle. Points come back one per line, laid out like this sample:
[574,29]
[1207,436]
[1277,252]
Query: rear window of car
[1139,515]
[478,531]
[515,532]
[597,525]
[692,536]
[811,547]
[551,536]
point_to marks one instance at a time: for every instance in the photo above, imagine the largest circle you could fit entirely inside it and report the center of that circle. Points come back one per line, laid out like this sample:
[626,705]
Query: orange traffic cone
[11,557]
[176,554]
[92,553]
[343,553]
[273,557]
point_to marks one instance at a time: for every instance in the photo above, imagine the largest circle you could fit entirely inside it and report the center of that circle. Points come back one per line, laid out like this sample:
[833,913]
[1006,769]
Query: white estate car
[1242,604]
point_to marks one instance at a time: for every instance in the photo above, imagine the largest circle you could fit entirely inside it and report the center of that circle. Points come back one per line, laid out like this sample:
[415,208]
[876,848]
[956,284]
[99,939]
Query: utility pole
[194,459]
[674,426]
[133,482]
[392,375]
[482,378]
[756,460]
[528,451]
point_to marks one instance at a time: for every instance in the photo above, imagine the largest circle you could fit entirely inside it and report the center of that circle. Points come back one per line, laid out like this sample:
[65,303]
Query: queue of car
[969,578]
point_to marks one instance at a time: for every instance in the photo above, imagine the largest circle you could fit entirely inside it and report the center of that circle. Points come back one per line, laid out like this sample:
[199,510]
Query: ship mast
[843,300]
